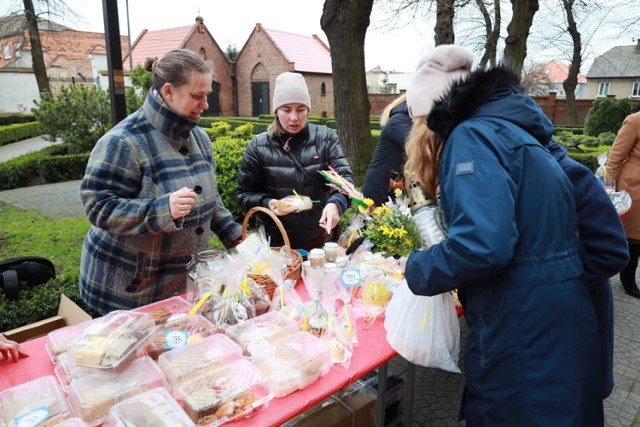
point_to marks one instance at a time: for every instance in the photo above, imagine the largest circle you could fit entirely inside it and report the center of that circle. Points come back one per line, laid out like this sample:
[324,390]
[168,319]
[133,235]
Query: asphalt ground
[436,392]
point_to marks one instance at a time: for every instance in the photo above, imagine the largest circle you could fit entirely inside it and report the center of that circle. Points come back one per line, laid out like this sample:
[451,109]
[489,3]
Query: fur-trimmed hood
[494,92]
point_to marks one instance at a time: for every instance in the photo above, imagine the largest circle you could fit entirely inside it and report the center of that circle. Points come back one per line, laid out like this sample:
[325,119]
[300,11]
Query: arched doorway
[213,100]
[259,91]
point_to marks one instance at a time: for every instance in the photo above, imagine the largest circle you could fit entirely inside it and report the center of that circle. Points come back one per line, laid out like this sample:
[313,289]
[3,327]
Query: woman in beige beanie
[532,353]
[286,160]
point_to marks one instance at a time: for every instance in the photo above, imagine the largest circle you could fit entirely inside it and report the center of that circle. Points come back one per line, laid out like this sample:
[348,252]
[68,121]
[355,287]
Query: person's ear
[167,92]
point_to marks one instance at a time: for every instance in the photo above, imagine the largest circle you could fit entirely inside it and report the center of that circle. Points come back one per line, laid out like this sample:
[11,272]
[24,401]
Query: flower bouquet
[388,227]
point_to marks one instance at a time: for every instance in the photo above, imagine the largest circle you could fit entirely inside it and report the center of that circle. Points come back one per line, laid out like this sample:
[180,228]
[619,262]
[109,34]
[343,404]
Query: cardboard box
[68,314]
[356,408]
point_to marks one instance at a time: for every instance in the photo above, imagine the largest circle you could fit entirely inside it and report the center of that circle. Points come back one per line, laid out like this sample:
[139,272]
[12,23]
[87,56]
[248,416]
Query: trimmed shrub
[227,153]
[607,115]
[19,131]
[10,119]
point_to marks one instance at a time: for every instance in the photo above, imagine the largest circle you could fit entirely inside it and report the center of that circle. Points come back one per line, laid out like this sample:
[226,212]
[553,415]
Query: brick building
[268,53]
[197,39]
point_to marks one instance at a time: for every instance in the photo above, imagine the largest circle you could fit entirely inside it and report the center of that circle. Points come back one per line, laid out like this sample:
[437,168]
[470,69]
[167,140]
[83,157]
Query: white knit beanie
[435,74]
[290,89]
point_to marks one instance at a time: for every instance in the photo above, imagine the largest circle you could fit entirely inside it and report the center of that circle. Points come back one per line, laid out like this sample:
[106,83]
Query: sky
[393,49]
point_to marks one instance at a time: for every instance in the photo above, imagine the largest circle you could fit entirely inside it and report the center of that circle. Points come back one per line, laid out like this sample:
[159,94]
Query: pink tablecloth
[372,352]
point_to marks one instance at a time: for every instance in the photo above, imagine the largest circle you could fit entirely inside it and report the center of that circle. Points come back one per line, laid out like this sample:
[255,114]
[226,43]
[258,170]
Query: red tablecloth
[372,351]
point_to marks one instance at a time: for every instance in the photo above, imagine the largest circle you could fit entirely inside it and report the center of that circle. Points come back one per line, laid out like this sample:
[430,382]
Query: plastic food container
[72,422]
[154,408]
[178,331]
[293,363]
[262,331]
[36,403]
[58,340]
[92,397]
[162,310]
[228,393]
[109,343]
[67,374]
[212,352]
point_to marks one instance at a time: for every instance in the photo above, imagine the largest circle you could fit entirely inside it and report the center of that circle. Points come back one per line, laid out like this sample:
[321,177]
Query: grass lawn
[27,232]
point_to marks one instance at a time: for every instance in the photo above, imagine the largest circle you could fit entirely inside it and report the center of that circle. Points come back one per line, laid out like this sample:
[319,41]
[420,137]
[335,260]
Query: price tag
[175,339]
[351,277]
[33,418]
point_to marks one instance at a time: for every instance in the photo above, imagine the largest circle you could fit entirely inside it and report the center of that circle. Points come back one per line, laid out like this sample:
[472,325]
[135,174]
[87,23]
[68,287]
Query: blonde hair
[175,67]
[386,113]
[423,151]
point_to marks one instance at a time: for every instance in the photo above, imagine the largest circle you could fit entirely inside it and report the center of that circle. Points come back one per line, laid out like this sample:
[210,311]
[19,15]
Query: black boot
[628,273]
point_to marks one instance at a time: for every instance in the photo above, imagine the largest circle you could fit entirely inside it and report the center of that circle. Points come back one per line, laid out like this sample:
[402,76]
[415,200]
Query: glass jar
[203,271]
[316,258]
[330,251]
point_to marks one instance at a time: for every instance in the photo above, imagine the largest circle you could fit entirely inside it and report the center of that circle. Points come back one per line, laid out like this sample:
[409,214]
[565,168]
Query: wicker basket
[293,271]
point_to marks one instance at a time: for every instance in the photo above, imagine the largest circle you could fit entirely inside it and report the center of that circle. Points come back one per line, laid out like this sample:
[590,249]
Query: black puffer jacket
[388,158]
[268,172]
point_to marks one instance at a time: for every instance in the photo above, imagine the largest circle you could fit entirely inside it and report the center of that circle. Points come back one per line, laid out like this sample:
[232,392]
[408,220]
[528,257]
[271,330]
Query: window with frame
[6,54]
[635,90]
[603,89]
[323,89]
[16,49]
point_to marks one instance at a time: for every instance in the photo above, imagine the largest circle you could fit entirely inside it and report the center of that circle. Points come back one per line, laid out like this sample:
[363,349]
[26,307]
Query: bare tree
[443,31]
[492,32]
[571,81]
[345,23]
[517,33]
[535,80]
[37,56]
[32,18]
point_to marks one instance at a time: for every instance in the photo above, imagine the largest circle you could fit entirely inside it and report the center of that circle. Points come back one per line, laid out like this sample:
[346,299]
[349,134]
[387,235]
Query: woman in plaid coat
[150,193]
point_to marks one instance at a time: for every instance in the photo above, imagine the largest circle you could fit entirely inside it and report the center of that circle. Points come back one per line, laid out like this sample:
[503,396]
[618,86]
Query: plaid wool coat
[135,253]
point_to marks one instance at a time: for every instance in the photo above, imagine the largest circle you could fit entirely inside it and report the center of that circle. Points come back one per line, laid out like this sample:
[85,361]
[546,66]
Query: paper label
[33,418]
[175,339]
[351,277]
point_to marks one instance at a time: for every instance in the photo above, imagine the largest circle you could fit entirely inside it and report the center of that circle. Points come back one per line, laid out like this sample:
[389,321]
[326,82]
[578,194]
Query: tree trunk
[571,82]
[492,33]
[444,23]
[345,23]
[39,69]
[515,49]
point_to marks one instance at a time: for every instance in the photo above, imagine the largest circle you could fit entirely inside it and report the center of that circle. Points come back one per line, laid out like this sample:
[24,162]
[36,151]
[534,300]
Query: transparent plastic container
[58,340]
[234,391]
[163,310]
[178,331]
[39,402]
[153,408]
[212,352]
[67,374]
[73,422]
[293,363]
[92,397]
[109,344]
[262,331]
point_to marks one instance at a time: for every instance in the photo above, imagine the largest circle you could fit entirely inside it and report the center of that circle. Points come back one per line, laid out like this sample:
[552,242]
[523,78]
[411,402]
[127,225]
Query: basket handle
[273,216]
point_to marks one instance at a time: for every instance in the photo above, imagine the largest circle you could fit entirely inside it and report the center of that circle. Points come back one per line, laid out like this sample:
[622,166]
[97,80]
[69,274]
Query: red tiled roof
[72,45]
[557,72]
[156,44]
[309,54]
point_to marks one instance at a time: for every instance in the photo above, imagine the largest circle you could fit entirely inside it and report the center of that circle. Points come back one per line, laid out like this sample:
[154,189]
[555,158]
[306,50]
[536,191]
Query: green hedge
[19,131]
[10,119]
[53,164]
[40,302]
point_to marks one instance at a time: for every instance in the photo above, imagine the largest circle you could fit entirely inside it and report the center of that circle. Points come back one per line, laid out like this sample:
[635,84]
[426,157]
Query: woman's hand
[181,202]
[11,350]
[330,217]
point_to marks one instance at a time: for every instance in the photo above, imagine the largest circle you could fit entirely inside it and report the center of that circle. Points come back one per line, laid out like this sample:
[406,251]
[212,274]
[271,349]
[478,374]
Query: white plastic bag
[424,330]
